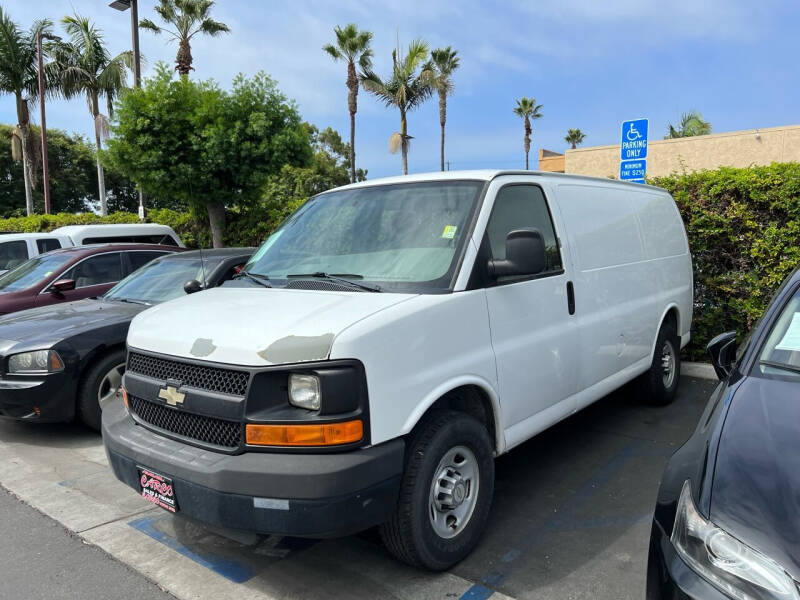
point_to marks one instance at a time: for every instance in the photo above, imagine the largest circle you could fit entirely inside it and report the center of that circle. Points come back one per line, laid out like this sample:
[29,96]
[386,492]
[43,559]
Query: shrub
[743,227]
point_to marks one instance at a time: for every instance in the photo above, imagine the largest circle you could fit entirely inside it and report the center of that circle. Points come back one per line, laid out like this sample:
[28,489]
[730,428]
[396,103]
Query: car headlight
[39,361]
[304,391]
[733,567]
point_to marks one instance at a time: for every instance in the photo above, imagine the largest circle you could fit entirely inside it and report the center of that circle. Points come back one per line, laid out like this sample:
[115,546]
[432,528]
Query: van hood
[254,326]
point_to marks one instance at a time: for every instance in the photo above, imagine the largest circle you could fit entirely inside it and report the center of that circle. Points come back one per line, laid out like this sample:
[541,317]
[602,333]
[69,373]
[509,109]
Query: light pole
[45,168]
[123,5]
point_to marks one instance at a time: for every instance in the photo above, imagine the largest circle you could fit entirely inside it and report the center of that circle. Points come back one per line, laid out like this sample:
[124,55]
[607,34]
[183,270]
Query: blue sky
[590,63]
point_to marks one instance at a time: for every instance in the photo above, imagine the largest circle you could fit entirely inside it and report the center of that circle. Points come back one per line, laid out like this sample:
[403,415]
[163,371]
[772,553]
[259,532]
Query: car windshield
[405,237]
[159,281]
[33,271]
[780,355]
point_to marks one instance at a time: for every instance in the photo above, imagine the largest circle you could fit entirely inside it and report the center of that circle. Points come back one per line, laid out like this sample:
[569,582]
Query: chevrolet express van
[391,339]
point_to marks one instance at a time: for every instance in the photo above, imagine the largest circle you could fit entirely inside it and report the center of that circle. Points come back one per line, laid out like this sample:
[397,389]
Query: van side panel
[631,264]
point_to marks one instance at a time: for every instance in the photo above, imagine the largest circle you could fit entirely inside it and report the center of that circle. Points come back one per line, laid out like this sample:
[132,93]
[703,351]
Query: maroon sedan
[73,274]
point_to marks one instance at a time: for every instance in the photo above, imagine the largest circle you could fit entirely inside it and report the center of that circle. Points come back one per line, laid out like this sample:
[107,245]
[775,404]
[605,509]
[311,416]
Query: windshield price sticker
[449,232]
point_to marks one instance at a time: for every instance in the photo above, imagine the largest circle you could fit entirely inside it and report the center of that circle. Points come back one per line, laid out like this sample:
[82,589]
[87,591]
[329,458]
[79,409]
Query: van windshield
[405,237]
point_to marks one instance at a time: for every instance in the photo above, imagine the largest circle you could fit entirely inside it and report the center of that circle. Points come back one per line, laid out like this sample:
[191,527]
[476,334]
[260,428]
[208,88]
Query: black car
[65,361]
[727,519]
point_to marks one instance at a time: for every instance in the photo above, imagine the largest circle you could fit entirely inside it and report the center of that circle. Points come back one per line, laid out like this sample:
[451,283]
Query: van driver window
[522,207]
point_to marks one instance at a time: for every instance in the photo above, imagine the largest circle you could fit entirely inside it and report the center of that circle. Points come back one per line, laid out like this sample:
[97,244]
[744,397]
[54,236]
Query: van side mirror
[62,285]
[524,254]
[192,286]
[722,350]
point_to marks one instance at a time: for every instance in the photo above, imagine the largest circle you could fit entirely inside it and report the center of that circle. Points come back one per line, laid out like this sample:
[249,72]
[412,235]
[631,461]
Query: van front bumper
[304,495]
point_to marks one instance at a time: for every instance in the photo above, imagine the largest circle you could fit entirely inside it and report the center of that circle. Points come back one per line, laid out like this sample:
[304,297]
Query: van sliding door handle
[570,298]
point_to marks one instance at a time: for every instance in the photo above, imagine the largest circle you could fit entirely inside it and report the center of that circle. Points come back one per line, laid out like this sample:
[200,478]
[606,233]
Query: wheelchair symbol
[632,134]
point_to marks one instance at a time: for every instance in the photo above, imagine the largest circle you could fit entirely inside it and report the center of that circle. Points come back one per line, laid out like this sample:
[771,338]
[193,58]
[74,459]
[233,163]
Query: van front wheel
[446,492]
[660,383]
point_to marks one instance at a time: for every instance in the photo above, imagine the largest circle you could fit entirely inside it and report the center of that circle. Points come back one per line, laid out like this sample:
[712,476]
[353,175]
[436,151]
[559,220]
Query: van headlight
[37,362]
[305,391]
[733,567]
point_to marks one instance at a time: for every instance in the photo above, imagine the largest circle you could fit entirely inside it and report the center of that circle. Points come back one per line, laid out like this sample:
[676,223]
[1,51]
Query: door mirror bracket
[525,255]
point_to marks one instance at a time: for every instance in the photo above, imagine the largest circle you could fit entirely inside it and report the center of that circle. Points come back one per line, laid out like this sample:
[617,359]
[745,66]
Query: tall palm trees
[691,124]
[18,76]
[444,61]
[352,46]
[84,67]
[528,110]
[574,137]
[405,89]
[188,17]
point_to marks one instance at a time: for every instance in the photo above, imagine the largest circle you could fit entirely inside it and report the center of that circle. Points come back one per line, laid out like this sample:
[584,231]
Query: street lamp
[45,168]
[123,5]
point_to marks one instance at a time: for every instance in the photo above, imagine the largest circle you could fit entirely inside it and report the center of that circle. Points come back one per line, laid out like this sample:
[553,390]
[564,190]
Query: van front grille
[209,430]
[212,379]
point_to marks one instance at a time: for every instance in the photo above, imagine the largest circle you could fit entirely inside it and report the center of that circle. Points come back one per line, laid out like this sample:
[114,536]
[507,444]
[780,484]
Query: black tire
[410,535]
[88,405]
[656,387]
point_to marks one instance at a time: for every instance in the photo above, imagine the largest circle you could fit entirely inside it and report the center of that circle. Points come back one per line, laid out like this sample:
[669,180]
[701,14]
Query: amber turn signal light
[124,397]
[329,434]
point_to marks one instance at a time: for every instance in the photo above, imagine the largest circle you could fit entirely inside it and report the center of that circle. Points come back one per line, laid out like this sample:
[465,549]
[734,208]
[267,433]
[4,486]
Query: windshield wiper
[779,365]
[257,277]
[345,278]
[129,301]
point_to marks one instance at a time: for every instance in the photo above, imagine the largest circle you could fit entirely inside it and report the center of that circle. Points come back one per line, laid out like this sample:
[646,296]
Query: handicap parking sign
[634,140]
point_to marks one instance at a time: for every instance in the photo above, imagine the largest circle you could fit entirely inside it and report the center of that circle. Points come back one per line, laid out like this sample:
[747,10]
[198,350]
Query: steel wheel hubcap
[111,386]
[668,364]
[454,492]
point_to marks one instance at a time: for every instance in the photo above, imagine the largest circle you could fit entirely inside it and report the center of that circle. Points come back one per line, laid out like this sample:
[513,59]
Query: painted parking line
[230,569]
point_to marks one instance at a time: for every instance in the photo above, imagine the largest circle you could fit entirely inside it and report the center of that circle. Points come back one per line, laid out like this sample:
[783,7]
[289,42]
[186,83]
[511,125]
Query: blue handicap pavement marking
[633,144]
[230,569]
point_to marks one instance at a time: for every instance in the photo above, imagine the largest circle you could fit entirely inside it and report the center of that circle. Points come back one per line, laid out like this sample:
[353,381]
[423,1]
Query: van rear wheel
[446,492]
[659,384]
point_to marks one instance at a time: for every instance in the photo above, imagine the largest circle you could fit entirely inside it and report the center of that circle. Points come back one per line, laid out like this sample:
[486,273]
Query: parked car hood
[756,491]
[254,326]
[47,325]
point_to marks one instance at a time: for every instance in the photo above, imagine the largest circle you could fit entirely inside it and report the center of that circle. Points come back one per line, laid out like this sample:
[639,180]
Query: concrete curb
[698,369]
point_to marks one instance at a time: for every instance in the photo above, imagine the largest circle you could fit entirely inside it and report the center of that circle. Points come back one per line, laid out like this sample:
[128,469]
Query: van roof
[10,237]
[487,175]
[70,229]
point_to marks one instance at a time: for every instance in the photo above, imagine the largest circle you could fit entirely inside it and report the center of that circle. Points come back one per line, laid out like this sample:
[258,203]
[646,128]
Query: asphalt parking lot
[571,518]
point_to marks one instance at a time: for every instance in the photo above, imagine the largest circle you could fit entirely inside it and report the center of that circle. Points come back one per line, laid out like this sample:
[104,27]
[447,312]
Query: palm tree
[18,76]
[444,62]
[188,17]
[405,89]
[352,46]
[574,137]
[691,124]
[528,109]
[84,66]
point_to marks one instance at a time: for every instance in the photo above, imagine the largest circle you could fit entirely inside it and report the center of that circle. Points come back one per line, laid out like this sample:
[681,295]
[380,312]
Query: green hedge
[744,228]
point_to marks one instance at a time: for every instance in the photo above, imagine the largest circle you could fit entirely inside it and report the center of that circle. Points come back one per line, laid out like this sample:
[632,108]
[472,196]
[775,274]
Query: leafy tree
[352,46]
[443,62]
[691,124]
[204,147]
[528,110]
[574,137]
[72,170]
[404,89]
[83,67]
[19,76]
[188,18]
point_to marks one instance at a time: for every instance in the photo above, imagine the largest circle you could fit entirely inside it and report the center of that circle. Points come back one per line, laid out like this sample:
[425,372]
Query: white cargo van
[388,341]
[16,248]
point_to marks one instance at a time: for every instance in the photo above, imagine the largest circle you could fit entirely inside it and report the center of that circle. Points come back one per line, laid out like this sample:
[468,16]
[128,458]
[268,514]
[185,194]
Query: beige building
[734,149]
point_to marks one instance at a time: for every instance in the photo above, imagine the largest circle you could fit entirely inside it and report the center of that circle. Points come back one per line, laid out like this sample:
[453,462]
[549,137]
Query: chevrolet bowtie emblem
[172,396]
